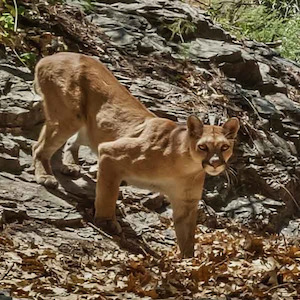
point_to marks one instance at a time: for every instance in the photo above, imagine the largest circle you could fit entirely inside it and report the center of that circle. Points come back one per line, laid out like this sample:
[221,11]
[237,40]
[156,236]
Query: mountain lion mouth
[214,171]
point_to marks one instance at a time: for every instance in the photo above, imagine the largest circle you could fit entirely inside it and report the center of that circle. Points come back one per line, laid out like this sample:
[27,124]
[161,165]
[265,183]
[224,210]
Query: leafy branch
[262,20]
[181,27]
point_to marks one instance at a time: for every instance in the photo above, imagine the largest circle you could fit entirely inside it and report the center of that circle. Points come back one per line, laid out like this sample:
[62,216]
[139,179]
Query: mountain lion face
[210,145]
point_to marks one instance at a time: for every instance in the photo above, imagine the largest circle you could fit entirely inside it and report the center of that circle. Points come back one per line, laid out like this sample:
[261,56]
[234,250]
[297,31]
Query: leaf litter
[233,262]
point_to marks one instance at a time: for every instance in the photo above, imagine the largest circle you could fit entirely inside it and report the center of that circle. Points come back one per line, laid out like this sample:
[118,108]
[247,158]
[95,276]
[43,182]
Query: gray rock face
[19,105]
[292,229]
[177,62]
[284,104]
[144,24]
[258,209]
[214,51]
[9,163]
[8,146]
[33,201]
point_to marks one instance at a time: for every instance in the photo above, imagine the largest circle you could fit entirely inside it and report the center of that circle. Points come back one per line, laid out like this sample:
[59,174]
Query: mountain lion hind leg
[70,159]
[52,137]
[59,126]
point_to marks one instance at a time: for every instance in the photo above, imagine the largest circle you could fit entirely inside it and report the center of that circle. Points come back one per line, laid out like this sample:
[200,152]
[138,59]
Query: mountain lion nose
[215,161]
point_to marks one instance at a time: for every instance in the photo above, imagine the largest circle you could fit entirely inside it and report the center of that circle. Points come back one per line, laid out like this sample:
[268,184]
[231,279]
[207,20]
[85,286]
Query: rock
[4,296]
[219,78]
[258,210]
[207,216]
[87,155]
[212,50]
[25,159]
[246,70]
[34,202]
[154,202]
[292,229]
[150,44]
[19,105]
[146,27]
[142,222]
[93,170]
[272,85]
[284,104]
[24,143]
[169,12]
[10,164]
[8,146]
[128,30]
[162,98]
[13,215]
[266,108]
[8,204]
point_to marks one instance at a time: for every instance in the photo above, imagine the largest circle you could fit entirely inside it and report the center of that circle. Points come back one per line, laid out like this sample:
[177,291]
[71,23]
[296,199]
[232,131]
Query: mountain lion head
[211,145]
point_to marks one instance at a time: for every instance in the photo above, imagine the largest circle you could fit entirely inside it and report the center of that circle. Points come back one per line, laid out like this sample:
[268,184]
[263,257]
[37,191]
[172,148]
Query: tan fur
[81,95]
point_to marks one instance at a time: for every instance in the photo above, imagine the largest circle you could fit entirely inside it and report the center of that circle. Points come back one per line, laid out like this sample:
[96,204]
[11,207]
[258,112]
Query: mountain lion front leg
[107,191]
[184,201]
[185,219]
[116,160]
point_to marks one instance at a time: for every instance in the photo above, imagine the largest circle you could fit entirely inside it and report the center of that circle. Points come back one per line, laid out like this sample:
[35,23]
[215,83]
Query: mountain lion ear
[195,126]
[231,127]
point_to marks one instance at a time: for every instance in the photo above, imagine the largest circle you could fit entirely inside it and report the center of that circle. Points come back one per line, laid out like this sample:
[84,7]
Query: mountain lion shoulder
[81,95]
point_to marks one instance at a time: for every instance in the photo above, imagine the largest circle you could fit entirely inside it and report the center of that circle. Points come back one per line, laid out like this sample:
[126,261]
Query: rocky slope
[177,62]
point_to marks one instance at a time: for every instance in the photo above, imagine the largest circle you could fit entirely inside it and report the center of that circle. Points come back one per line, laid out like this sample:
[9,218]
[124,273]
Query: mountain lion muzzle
[85,104]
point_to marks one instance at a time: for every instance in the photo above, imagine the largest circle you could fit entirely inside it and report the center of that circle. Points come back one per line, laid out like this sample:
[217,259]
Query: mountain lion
[81,95]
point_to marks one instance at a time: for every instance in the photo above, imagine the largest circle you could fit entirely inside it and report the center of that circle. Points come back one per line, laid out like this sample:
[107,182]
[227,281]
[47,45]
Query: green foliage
[7,18]
[262,23]
[256,24]
[14,37]
[87,6]
[291,39]
[29,59]
[181,27]
[184,50]
[7,21]
[284,8]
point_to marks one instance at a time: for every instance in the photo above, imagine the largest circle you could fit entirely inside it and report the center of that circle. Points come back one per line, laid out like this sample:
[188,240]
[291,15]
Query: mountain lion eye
[224,148]
[203,147]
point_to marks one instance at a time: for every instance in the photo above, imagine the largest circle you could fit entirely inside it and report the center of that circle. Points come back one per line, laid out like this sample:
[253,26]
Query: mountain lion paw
[70,170]
[112,227]
[48,181]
